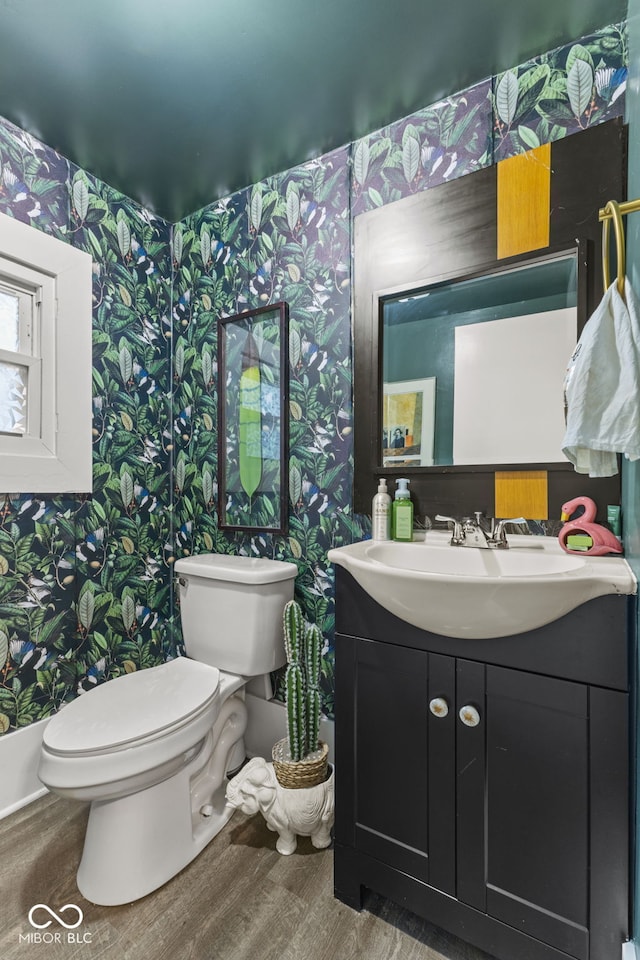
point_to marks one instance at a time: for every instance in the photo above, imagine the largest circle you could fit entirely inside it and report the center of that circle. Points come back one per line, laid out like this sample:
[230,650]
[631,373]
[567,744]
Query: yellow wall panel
[524,191]
[522,493]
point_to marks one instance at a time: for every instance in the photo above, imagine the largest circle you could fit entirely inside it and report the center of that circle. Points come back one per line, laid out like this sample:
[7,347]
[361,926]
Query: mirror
[473,368]
[441,242]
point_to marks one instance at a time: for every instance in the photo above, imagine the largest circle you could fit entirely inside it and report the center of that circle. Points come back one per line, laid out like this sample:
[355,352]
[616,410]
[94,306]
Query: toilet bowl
[151,750]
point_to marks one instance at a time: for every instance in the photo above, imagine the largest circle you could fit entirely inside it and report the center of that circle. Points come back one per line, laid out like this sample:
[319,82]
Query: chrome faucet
[469,532]
[457,536]
[499,534]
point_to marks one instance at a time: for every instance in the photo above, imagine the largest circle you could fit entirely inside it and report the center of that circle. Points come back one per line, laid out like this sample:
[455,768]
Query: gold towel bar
[629,206]
[615,211]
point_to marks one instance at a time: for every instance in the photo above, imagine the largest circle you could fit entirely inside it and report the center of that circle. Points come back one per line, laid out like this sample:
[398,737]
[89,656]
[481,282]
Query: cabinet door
[404,761]
[533,872]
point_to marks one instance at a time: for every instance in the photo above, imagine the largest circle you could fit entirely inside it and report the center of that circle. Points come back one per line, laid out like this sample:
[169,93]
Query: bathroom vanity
[484,783]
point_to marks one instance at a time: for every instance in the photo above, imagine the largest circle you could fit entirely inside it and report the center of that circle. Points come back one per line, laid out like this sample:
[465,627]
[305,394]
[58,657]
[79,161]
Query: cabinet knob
[469,715]
[439,707]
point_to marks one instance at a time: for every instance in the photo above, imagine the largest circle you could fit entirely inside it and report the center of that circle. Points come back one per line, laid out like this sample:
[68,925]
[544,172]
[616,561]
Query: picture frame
[408,422]
[253,402]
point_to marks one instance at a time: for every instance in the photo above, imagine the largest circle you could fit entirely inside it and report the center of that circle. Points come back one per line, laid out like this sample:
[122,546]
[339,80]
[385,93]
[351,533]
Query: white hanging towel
[602,387]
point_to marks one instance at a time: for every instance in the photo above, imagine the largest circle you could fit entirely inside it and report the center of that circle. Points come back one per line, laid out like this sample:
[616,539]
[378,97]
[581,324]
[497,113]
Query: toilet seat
[133,710]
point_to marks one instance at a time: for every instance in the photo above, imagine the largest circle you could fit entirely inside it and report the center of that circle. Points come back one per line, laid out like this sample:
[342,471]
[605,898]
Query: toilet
[151,750]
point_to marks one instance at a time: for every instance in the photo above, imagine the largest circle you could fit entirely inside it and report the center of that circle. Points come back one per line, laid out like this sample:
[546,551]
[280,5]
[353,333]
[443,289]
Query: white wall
[19,756]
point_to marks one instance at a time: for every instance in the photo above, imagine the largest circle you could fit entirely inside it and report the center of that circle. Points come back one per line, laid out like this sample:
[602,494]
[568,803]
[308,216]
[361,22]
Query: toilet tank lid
[222,566]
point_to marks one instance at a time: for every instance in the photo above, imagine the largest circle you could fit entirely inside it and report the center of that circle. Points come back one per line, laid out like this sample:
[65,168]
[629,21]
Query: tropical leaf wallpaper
[440,143]
[560,93]
[287,238]
[545,99]
[86,585]
[85,582]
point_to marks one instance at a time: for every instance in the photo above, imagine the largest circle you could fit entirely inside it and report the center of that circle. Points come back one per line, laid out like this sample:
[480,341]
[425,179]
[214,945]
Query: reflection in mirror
[408,422]
[473,369]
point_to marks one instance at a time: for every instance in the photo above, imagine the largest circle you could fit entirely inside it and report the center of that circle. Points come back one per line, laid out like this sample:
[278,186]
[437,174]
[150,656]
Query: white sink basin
[474,593]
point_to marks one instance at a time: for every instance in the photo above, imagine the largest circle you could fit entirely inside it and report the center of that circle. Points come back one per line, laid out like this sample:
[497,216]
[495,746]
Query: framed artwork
[408,421]
[252,419]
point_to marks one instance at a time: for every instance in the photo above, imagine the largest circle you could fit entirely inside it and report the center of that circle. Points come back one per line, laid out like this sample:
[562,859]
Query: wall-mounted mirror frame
[472,369]
[451,231]
[370,419]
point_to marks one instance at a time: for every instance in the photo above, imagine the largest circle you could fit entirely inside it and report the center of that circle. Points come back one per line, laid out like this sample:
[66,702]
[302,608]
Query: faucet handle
[457,537]
[499,533]
[441,519]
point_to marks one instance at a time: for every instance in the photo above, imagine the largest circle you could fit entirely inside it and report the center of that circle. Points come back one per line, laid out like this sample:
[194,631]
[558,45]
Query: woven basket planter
[296,774]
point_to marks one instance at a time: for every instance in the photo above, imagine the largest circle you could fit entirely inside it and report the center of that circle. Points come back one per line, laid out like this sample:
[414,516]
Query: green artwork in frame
[252,419]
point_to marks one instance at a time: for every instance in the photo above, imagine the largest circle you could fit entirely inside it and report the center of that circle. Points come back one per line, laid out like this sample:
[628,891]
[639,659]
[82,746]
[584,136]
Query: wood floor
[239,900]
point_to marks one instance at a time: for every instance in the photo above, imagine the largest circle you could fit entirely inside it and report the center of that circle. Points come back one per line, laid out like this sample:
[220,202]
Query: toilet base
[135,844]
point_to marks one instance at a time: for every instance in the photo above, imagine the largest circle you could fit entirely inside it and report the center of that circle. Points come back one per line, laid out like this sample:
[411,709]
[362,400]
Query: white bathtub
[19,755]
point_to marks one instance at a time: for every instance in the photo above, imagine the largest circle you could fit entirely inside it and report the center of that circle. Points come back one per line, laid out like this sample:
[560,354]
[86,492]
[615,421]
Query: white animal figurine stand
[305,812]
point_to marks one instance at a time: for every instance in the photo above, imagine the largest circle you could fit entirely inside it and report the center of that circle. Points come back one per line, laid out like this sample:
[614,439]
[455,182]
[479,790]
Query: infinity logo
[55,916]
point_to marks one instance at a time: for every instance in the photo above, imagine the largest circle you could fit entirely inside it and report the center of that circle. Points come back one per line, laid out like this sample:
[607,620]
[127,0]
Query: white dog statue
[306,812]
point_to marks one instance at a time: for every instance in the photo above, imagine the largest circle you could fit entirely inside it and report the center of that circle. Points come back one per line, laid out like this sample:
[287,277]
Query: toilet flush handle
[183,582]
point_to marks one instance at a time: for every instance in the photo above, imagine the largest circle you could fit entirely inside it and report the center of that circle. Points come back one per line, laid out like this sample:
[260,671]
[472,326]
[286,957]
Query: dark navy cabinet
[484,784]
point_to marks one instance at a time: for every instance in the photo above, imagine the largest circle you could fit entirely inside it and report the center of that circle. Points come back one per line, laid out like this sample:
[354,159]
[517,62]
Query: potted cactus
[300,759]
[294,793]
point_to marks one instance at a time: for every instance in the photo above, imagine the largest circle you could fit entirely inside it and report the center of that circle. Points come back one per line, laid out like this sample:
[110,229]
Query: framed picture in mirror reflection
[408,422]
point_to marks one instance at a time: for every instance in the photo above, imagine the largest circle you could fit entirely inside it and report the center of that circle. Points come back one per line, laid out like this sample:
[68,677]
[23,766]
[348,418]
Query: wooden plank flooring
[239,900]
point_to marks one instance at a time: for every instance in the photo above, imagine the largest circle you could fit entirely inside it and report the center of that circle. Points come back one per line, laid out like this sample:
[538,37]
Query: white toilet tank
[231,610]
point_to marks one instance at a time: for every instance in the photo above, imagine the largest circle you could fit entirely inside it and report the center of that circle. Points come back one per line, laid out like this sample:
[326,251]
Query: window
[20,366]
[45,363]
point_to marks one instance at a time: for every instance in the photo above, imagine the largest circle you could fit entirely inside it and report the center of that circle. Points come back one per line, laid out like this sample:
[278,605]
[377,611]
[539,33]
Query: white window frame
[28,287]
[54,455]
[27,295]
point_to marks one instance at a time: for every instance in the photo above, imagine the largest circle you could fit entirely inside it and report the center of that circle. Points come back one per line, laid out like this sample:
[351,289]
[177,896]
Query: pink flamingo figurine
[603,540]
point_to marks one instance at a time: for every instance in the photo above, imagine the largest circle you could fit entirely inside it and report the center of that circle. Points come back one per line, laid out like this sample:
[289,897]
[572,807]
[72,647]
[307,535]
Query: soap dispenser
[402,514]
[381,513]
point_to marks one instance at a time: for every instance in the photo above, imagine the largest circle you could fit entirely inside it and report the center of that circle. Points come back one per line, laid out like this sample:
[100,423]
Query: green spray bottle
[402,513]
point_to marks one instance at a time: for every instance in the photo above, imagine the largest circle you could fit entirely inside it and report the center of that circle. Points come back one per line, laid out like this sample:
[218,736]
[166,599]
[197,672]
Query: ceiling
[179,103]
